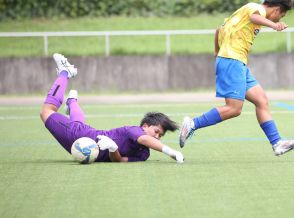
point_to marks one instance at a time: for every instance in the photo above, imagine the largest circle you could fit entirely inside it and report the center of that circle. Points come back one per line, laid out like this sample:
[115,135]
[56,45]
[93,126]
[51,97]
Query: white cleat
[187,130]
[63,64]
[72,94]
[283,146]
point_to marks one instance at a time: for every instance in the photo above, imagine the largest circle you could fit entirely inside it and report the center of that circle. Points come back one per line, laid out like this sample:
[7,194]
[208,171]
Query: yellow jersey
[237,33]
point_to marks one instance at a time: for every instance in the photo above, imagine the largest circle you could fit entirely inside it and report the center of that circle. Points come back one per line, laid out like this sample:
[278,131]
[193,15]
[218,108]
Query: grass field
[131,45]
[230,170]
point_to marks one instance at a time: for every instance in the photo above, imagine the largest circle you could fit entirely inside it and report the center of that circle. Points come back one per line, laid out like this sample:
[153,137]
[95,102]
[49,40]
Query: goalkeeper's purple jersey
[126,139]
[66,132]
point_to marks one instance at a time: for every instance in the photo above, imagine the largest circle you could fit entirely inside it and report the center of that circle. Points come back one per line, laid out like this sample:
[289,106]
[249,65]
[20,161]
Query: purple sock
[75,112]
[56,94]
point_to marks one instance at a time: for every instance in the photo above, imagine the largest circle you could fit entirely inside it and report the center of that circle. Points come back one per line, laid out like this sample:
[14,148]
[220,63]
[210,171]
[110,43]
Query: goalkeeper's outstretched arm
[155,144]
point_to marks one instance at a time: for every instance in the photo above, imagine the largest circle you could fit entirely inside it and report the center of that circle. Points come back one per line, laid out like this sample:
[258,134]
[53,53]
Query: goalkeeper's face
[153,131]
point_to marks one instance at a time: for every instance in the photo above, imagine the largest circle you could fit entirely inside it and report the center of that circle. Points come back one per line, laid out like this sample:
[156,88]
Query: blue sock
[271,131]
[209,118]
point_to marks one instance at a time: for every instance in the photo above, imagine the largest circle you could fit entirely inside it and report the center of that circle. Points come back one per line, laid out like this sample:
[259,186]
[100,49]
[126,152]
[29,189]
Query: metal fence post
[289,42]
[167,44]
[107,48]
[46,45]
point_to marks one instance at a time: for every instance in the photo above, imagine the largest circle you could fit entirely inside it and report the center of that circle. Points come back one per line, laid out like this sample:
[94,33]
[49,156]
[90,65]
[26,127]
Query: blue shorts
[233,78]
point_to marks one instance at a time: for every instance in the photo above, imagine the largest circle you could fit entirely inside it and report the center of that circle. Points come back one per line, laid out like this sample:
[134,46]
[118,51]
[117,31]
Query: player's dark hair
[157,118]
[285,5]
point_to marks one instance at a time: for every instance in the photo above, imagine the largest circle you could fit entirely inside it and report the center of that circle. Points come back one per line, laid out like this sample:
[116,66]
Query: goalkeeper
[124,144]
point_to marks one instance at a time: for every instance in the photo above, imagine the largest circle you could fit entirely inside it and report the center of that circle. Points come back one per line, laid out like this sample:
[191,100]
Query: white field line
[17,108]
[172,142]
[122,115]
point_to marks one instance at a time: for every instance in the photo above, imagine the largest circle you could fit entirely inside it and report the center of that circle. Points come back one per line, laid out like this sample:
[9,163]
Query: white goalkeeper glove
[106,143]
[178,156]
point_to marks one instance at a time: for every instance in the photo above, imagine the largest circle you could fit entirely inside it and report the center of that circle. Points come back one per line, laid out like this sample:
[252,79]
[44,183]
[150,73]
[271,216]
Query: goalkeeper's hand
[178,156]
[105,142]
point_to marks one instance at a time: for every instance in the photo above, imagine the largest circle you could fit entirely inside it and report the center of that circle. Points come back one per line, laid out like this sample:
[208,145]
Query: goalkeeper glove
[106,143]
[178,156]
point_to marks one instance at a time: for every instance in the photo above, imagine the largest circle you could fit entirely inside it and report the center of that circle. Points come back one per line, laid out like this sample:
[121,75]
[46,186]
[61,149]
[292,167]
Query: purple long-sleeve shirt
[66,132]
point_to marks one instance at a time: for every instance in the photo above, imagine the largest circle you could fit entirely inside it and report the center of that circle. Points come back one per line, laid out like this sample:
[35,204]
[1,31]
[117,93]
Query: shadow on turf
[52,161]
[71,162]
[164,162]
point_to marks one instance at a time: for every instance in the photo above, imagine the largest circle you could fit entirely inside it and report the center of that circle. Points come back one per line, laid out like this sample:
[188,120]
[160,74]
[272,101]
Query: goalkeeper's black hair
[285,5]
[157,118]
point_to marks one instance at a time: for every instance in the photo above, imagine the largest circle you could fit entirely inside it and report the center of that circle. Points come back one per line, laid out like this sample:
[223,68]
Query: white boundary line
[122,115]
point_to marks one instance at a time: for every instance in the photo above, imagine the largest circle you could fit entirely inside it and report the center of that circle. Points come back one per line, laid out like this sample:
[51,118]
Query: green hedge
[19,9]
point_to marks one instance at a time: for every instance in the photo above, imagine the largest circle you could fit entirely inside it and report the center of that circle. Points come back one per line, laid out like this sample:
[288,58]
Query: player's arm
[106,143]
[155,144]
[256,18]
[216,44]
[116,157]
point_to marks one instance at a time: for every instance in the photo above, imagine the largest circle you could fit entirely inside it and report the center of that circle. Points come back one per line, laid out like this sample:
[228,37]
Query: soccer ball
[85,150]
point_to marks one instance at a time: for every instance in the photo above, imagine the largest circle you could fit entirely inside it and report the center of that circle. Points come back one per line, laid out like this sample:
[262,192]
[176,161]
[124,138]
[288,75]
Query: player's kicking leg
[55,96]
[186,131]
[232,108]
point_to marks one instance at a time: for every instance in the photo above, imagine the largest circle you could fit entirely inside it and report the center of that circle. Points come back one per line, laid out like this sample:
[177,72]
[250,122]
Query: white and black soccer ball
[85,150]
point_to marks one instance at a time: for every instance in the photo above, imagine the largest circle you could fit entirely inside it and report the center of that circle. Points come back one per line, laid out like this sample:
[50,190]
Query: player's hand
[179,157]
[106,143]
[279,26]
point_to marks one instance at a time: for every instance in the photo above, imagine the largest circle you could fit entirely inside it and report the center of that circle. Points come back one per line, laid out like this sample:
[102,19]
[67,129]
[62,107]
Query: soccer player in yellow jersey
[234,81]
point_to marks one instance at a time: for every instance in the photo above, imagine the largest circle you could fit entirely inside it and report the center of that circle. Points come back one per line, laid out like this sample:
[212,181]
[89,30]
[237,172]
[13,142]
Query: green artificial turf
[229,169]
